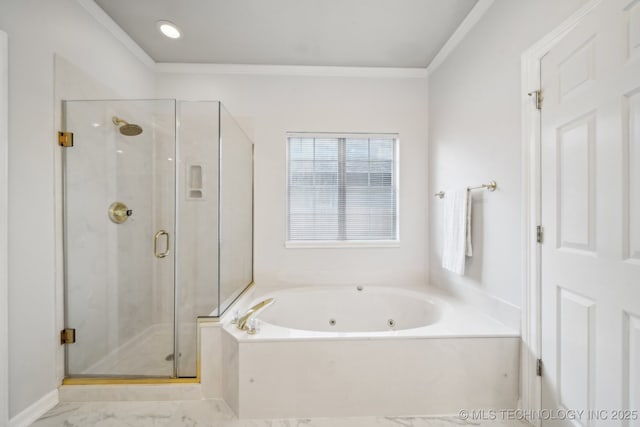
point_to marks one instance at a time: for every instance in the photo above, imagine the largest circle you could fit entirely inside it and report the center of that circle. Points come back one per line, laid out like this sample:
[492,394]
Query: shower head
[126,128]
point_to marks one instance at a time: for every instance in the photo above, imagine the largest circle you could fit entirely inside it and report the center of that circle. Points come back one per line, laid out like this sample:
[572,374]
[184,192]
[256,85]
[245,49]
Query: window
[342,189]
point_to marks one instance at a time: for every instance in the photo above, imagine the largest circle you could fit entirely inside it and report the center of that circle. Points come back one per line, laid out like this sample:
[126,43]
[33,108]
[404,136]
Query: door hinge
[538,98]
[539,234]
[67,336]
[65,139]
[539,367]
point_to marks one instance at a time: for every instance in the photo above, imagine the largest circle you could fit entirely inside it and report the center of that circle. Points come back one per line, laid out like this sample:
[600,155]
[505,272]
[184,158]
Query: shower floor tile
[149,354]
[215,413]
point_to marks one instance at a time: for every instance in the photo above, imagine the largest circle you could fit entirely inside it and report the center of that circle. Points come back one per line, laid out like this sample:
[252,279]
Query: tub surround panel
[463,360]
[501,310]
[346,378]
[211,363]
[231,373]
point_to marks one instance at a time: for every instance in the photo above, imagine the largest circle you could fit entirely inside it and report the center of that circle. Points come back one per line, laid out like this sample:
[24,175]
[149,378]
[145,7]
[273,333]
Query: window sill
[315,244]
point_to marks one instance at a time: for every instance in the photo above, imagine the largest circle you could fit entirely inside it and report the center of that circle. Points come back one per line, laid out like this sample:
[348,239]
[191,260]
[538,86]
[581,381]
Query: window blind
[342,188]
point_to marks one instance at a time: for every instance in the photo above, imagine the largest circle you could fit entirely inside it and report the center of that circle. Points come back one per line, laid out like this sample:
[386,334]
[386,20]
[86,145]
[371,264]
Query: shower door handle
[155,244]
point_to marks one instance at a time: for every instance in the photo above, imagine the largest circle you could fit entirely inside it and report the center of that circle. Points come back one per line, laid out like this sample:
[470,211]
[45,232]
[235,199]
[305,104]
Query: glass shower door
[119,219]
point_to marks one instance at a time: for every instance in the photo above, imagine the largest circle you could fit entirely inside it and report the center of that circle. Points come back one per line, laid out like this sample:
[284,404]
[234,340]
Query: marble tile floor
[215,413]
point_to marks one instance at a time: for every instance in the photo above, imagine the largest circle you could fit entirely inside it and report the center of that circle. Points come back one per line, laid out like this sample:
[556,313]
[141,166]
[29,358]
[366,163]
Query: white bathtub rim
[458,319]
[435,307]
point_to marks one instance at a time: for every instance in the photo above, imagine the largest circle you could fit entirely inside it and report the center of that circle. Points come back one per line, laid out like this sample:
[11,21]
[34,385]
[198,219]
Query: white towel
[457,229]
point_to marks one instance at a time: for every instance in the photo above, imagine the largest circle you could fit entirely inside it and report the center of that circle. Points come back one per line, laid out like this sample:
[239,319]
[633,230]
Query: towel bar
[491,186]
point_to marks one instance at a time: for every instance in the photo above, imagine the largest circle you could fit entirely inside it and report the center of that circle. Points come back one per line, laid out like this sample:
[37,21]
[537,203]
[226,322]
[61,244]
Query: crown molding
[291,70]
[105,20]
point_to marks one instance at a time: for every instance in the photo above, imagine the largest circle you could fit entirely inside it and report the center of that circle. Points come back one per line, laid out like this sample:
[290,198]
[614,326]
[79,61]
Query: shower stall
[158,232]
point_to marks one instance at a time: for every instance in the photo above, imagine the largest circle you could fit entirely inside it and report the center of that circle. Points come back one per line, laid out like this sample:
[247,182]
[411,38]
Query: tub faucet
[244,320]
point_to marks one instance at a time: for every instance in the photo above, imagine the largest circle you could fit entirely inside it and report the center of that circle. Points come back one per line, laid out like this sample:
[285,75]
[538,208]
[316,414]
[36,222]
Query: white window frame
[302,244]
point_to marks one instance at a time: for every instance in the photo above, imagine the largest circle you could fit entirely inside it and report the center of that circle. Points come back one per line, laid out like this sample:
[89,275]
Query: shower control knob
[119,212]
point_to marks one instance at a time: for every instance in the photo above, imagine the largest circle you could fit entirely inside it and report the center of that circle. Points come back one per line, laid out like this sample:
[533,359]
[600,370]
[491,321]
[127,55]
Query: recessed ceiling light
[169,29]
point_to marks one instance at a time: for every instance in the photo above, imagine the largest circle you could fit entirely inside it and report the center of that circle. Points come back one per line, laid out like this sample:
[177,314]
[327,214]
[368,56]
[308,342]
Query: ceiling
[350,33]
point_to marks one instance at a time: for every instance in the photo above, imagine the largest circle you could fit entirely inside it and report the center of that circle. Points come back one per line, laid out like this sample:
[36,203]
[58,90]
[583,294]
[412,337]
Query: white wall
[37,30]
[474,136]
[267,106]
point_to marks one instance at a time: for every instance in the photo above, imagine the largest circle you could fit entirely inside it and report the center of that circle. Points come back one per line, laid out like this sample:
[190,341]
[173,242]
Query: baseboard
[35,411]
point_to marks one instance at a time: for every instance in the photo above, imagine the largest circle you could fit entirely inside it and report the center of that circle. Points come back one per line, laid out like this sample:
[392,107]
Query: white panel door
[590,160]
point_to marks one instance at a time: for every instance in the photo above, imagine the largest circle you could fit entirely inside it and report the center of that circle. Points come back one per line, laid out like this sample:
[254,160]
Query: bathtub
[367,351]
[353,309]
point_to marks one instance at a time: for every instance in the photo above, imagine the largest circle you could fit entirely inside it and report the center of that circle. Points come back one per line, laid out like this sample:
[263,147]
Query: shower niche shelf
[195,189]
